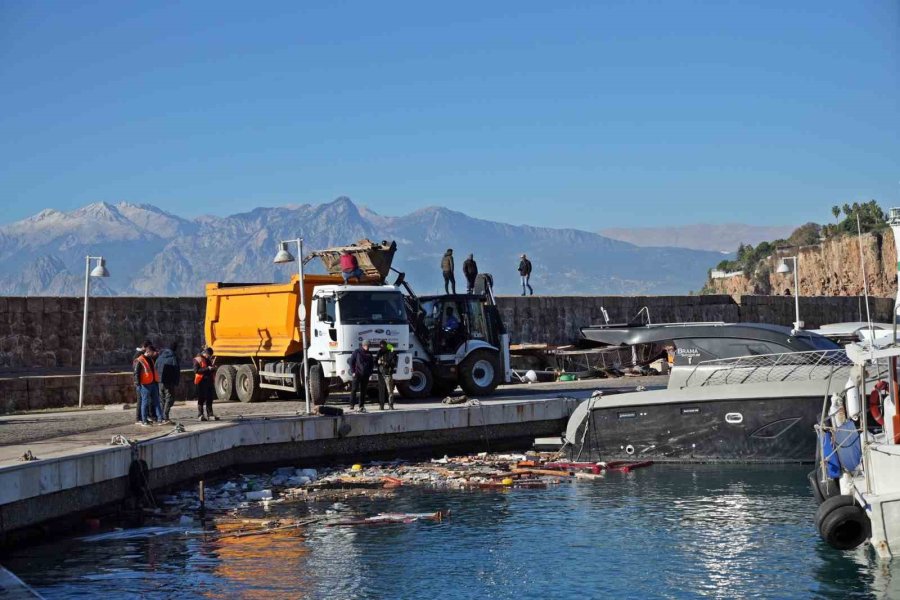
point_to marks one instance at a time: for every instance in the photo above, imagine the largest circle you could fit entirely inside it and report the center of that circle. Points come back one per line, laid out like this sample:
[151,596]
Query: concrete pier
[88,469]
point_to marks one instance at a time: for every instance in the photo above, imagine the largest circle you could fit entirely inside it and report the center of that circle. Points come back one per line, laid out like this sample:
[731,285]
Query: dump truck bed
[258,320]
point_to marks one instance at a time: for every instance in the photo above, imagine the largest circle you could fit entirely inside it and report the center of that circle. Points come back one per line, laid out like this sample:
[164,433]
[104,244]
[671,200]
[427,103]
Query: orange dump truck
[254,330]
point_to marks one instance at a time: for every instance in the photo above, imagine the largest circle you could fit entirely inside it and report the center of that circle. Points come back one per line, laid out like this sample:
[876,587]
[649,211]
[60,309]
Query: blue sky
[565,114]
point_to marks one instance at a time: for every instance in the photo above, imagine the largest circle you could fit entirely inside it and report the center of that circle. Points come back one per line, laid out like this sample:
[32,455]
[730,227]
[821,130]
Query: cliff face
[829,269]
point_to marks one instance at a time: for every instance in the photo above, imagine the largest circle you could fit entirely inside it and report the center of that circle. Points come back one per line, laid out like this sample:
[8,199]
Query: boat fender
[875,402]
[842,523]
[852,402]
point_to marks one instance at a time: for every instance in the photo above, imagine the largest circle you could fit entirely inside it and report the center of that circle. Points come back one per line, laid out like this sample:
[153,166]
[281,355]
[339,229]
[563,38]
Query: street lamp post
[97,271]
[284,256]
[783,268]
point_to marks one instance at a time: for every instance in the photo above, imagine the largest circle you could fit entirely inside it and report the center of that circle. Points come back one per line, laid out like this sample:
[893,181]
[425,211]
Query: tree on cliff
[871,217]
[836,211]
[805,235]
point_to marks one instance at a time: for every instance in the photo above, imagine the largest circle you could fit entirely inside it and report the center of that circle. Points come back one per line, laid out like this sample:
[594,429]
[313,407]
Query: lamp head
[783,267]
[100,270]
[283,255]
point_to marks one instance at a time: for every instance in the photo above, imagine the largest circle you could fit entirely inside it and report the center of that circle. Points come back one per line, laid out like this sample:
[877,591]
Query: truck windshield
[372,307]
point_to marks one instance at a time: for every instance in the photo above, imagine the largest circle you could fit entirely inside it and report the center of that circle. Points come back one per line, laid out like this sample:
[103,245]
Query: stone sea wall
[40,338]
[44,334]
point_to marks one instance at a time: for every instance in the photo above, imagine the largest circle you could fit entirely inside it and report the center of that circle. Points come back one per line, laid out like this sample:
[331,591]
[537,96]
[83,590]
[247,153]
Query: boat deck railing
[766,368]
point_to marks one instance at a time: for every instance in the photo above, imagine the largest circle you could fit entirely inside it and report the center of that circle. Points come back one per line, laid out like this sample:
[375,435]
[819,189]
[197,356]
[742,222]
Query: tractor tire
[246,383]
[479,373]
[224,383]
[318,385]
[419,385]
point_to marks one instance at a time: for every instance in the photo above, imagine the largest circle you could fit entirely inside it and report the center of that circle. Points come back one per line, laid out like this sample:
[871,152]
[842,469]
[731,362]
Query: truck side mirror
[322,311]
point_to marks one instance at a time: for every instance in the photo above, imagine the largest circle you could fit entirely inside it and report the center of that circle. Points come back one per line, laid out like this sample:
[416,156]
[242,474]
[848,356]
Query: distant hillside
[702,236]
[151,252]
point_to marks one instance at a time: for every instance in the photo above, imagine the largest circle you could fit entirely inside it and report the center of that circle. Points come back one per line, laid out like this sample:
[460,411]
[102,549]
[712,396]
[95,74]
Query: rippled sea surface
[661,532]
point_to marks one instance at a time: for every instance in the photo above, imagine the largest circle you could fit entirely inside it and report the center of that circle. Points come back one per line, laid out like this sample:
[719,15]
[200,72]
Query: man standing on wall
[146,378]
[169,373]
[204,373]
[525,273]
[361,366]
[447,268]
[470,270]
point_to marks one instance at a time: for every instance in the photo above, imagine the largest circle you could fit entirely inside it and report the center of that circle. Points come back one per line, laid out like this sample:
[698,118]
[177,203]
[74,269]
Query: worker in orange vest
[146,379]
[204,375]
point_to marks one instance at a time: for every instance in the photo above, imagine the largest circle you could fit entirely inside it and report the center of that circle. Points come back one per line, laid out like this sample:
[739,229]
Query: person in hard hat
[447,269]
[470,270]
[350,268]
[525,274]
[204,382]
[361,366]
[386,359]
[146,378]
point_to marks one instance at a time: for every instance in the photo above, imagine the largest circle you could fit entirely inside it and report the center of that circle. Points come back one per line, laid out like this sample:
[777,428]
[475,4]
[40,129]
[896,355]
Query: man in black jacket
[361,366]
[525,273]
[470,270]
[169,374]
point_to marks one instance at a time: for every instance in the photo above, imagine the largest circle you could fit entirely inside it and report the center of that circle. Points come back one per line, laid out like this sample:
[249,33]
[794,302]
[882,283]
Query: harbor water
[667,531]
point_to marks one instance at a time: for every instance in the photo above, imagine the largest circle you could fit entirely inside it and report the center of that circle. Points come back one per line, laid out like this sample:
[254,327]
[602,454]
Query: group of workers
[156,376]
[470,271]
[350,270]
[363,364]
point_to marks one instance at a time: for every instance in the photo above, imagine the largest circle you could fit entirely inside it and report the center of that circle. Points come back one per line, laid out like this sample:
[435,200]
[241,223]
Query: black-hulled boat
[745,392]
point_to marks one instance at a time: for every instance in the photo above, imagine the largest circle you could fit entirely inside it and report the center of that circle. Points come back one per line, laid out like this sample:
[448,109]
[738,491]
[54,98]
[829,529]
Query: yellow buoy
[356,467]
[507,481]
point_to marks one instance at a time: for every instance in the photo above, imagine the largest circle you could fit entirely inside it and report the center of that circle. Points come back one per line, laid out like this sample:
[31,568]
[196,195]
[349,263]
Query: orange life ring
[875,402]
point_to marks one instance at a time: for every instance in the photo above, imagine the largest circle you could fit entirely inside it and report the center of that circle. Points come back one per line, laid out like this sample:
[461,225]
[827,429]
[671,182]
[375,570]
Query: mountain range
[152,252]
[723,237]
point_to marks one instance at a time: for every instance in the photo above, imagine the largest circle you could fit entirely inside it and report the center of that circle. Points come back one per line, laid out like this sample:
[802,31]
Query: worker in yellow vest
[204,380]
[146,379]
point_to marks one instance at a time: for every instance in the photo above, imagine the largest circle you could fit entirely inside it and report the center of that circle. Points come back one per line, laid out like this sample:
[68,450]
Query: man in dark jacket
[169,374]
[361,366]
[204,380]
[470,270]
[447,268]
[146,378]
[525,273]
[386,359]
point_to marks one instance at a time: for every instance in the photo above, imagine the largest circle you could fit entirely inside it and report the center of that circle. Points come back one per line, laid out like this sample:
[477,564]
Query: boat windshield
[377,308]
[819,342]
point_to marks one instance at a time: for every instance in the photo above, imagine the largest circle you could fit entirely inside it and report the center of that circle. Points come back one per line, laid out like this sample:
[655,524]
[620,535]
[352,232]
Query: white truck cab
[343,316]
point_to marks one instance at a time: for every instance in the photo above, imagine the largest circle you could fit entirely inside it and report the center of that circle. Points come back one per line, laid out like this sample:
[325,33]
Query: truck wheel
[224,383]
[479,373]
[419,384]
[318,385]
[246,383]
